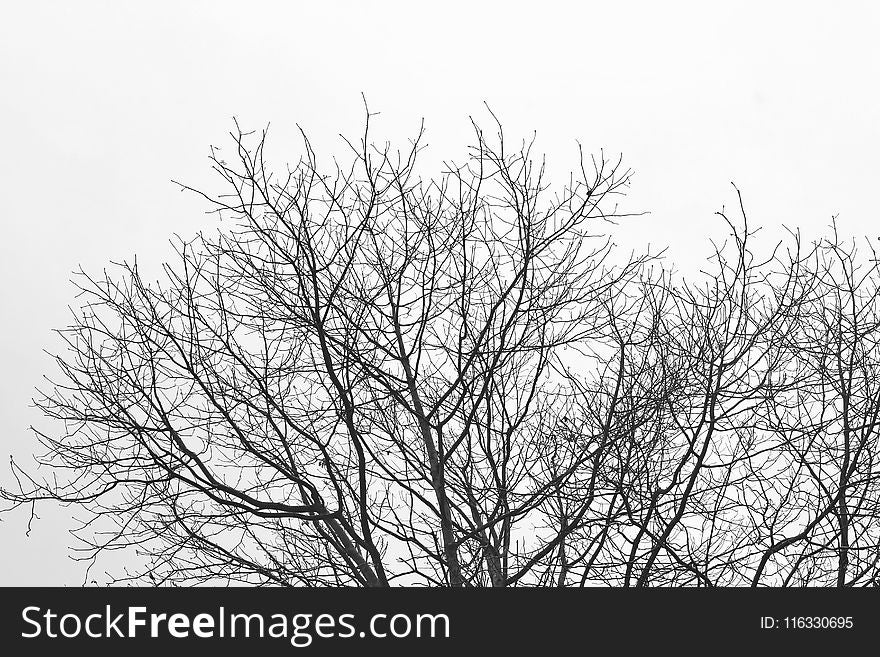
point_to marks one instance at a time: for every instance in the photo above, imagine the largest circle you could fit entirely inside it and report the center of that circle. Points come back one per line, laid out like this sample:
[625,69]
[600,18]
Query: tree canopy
[367,377]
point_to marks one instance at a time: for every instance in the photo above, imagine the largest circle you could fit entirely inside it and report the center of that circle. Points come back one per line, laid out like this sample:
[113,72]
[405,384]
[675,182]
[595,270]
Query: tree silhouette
[369,378]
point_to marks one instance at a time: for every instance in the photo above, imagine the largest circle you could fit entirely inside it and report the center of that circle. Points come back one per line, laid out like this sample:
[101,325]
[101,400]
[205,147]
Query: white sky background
[103,103]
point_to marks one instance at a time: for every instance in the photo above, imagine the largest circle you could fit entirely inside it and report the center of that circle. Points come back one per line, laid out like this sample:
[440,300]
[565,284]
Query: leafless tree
[354,385]
[373,378]
[825,526]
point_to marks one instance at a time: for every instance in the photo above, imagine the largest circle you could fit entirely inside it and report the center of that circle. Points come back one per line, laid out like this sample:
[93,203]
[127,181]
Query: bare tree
[354,385]
[693,367]
[372,378]
[826,528]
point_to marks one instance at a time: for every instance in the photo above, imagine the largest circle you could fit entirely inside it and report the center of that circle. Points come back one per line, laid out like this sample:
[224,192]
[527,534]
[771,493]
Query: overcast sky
[103,103]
